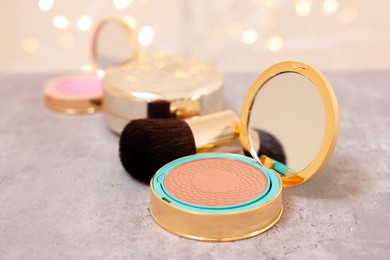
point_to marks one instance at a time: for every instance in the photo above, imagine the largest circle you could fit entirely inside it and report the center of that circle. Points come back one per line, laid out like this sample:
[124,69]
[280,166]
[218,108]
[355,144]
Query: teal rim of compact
[270,192]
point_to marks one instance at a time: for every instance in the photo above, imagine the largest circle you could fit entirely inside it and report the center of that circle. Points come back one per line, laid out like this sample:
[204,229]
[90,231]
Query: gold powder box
[160,86]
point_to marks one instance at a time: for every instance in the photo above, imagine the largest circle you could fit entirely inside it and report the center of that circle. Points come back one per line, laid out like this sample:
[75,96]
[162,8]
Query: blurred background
[236,35]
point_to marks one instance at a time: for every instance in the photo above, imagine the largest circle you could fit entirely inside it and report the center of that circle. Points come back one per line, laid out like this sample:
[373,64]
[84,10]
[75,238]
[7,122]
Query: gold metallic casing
[216,227]
[86,104]
[68,104]
[192,87]
[244,224]
[73,107]
[331,112]
[132,38]
[214,130]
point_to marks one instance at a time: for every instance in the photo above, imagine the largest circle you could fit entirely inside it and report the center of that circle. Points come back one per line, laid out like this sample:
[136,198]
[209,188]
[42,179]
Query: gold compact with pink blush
[225,197]
[82,92]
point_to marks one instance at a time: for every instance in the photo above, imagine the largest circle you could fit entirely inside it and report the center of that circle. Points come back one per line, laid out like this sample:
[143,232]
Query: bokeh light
[87,67]
[349,14]
[130,21]
[84,23]
[303,7]
[146,35]
[66,40]
[121,4]
[268,21]
[46,5]
[60,22]
[249,36]
[270,3]
[275,43]
[30,45]
[330,6]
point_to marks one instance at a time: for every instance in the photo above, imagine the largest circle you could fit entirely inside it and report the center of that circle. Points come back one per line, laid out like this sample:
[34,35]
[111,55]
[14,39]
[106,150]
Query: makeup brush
[146,145]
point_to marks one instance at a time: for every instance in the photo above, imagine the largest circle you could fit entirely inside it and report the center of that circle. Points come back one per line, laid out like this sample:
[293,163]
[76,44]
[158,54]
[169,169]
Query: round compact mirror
[291,110]
[114,42]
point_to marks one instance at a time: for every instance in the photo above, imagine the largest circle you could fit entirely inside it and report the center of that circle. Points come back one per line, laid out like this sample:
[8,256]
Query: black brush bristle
[270,146]
[146,145]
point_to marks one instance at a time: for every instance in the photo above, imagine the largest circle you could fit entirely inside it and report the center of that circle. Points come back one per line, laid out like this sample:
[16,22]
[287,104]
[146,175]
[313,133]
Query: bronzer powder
[216,182]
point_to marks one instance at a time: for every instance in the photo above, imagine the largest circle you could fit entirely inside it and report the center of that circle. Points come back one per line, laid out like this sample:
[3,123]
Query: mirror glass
[288,118]
[112,44]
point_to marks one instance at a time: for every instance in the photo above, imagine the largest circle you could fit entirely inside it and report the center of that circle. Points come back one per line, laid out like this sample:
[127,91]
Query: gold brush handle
[215,129]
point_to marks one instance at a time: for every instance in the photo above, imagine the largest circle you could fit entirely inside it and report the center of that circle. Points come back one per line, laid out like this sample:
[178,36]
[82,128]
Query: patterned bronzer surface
[215,182]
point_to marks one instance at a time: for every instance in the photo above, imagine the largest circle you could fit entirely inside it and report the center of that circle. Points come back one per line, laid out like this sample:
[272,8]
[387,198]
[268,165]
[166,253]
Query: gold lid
[173,85]
[297,105]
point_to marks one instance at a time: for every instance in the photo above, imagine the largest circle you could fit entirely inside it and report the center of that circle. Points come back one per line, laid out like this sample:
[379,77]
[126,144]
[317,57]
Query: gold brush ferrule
[214,129]
[185,108]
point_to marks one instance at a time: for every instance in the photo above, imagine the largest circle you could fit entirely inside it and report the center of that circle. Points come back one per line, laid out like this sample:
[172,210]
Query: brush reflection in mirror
[270,146]
[289,107]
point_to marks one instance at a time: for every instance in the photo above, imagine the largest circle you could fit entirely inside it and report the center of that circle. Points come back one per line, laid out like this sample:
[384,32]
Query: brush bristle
[270,146]
[146,145]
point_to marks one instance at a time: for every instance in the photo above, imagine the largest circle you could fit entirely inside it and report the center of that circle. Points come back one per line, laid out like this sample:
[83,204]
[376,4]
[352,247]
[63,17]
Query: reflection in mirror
[113,45]
[288,115]
[270,145]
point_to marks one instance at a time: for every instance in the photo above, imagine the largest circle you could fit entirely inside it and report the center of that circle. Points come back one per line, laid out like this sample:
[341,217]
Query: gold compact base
[72,107]
[62,99]
[221,239]
[216,227]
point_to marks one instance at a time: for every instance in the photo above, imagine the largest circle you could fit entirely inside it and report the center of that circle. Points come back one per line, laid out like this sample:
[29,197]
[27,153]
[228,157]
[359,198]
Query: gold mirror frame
[331,113]
[132,38]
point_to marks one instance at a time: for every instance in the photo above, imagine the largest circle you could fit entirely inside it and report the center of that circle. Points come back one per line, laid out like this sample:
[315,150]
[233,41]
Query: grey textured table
[64,194]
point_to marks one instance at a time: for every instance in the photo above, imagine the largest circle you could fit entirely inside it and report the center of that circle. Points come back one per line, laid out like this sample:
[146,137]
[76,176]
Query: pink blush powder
[215,182]
[79,87]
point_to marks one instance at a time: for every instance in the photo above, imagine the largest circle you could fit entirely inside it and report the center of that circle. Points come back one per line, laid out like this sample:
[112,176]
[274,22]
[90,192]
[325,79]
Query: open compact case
[82,92]
[224,197]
